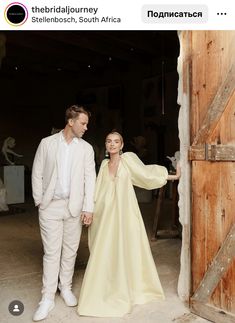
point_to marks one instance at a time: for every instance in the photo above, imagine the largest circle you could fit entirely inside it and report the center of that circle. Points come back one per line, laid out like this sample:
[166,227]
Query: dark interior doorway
[128,79]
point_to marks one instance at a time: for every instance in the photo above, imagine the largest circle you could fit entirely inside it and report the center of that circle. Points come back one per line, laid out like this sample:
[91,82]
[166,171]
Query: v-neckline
[111,175]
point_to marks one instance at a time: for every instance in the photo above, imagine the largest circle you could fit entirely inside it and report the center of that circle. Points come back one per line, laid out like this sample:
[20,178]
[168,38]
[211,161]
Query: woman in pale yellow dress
[121,271]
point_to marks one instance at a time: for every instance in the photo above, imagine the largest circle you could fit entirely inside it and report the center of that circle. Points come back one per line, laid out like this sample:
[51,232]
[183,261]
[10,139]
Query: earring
[120,152]
[106,155]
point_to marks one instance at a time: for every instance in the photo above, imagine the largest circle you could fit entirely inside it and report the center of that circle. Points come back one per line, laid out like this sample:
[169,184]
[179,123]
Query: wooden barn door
[212,155]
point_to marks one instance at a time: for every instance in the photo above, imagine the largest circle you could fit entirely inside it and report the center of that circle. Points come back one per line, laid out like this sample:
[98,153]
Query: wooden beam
[217,269]
[93,42]
[216,108]
[141,41]
[37,44]
[33,61]
[212,152]
[211,313]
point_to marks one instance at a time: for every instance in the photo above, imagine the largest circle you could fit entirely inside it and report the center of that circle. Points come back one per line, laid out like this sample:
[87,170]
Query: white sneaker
[45,306]
[68,297]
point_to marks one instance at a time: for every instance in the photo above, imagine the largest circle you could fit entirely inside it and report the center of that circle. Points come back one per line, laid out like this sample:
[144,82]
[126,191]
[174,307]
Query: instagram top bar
[116,15]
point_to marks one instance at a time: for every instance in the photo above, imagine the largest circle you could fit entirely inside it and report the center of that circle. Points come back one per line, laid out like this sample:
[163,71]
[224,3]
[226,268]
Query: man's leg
[71,239]
[51,228]
[52,235]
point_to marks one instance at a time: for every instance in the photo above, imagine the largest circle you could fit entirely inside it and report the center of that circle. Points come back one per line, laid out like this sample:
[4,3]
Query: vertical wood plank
[213,183]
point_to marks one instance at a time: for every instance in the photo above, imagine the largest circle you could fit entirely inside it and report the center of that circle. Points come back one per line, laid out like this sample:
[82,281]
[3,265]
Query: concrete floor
[21,270]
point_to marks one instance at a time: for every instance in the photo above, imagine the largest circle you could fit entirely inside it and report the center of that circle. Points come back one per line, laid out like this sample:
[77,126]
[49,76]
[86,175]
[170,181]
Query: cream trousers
[60,234]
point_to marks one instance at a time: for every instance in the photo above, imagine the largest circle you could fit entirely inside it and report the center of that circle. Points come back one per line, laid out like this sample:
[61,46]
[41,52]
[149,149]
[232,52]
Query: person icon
[16,308]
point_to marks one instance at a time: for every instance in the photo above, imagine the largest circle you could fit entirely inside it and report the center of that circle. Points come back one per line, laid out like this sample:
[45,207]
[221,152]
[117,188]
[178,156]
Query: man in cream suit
[63,182]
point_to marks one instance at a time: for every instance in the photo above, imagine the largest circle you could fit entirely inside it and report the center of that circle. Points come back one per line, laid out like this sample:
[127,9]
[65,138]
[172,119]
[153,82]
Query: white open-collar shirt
[65,157]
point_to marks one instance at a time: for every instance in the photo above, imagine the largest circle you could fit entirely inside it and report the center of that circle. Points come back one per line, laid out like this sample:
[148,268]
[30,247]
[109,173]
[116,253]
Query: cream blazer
[83,175]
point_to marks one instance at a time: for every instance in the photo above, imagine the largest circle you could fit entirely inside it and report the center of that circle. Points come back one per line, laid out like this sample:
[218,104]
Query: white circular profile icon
[16,308]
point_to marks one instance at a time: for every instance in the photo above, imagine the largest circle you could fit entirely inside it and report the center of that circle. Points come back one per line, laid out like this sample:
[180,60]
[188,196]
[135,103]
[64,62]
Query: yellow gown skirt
[121,271]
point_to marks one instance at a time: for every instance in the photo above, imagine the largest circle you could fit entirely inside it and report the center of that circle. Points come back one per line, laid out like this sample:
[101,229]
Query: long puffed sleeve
[144,176]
